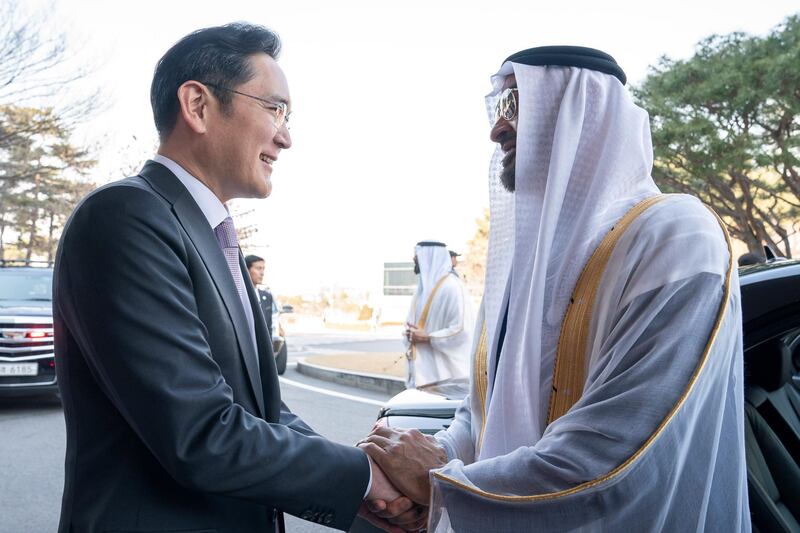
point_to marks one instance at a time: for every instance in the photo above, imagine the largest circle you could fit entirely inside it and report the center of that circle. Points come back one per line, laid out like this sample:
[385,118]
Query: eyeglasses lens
[507,104]
[281,115]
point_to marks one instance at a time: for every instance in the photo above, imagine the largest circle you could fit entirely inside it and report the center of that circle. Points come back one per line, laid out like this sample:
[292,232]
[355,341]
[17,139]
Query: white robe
[449,323]
[656,441]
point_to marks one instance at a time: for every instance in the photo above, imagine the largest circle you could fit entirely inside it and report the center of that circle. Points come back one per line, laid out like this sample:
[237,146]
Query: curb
[362,380]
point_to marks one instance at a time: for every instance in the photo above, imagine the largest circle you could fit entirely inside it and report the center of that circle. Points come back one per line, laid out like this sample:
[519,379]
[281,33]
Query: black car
[771,328]
[27,364]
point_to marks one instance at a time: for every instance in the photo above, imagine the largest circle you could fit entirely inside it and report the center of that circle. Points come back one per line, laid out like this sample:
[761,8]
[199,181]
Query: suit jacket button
[306,515]
[328,519]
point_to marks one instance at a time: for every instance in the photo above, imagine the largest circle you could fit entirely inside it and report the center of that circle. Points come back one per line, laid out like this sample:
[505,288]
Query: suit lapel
[200,233]
[266,358]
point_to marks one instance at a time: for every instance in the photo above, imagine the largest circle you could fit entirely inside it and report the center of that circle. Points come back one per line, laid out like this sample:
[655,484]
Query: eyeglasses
[507,105]
[280,108]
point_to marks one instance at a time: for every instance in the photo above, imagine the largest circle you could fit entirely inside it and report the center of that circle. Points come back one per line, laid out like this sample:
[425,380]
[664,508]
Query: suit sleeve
[124,290]
[291,420]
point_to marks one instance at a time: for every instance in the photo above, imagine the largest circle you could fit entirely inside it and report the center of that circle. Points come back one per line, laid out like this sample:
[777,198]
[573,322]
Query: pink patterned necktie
[226,237]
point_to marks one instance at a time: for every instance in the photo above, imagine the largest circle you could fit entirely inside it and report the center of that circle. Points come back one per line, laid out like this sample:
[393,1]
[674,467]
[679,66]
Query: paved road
[343,343]
[32,437]
[31,465]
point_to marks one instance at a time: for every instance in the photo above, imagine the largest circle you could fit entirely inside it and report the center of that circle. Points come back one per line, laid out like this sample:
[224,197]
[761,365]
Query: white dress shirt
[215,212]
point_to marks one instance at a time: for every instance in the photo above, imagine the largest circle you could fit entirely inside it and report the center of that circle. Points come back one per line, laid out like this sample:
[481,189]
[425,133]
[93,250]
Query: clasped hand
[404,458]
[416,335]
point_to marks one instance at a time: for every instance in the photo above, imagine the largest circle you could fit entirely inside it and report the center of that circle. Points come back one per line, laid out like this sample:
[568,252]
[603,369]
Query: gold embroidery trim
[569,373]
[481,373]
[632,459]
[424,317]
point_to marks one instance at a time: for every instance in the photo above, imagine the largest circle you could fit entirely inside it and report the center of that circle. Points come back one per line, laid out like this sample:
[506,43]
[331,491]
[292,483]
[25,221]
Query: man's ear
[194,100]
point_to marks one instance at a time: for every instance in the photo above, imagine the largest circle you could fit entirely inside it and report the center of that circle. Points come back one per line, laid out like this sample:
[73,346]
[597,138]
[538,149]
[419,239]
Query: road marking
[330,392]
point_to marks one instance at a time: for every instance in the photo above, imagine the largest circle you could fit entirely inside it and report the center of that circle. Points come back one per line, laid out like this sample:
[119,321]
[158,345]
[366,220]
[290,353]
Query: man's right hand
[407,456]
[418,335]
[386,508]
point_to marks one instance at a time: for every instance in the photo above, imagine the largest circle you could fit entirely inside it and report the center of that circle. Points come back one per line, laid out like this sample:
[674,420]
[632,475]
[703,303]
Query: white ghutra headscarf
[434,263]
[583,159]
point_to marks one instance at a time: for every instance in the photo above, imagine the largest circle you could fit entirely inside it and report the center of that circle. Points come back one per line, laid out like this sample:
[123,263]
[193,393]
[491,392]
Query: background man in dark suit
[255,267]
[171,398]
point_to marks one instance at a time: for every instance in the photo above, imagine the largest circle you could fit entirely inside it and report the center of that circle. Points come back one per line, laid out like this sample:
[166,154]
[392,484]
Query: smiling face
[243,140]
[504,133]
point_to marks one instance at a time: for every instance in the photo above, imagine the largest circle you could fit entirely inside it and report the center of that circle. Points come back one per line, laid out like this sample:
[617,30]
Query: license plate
[19,369]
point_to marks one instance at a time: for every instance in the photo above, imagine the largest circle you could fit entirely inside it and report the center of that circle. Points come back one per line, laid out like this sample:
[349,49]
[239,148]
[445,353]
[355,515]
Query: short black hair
[217,56]
[250,259]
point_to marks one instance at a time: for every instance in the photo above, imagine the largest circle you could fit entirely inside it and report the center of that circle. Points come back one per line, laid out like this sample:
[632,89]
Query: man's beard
[507,176]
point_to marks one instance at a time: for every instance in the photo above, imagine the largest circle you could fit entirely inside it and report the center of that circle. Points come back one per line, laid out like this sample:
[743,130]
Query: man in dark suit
[255,267]
[172,405]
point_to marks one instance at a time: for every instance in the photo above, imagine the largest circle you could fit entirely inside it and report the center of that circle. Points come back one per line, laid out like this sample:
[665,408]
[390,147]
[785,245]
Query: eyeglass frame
[508,92]
[281,118]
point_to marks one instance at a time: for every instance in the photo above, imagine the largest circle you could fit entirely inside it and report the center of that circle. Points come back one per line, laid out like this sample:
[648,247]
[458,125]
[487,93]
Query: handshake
[400,493]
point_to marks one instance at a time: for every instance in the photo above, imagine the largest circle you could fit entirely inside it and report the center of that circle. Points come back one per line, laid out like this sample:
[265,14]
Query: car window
[26,284]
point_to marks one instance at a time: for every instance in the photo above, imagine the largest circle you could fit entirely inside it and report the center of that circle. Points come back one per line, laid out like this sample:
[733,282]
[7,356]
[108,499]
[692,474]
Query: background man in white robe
[440,321]
[655,440]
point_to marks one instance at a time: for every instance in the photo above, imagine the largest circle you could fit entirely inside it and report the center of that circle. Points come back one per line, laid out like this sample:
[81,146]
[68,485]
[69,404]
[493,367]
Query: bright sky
[390,136]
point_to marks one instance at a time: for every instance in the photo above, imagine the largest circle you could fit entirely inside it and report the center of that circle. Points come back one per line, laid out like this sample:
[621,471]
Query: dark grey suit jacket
[170,424]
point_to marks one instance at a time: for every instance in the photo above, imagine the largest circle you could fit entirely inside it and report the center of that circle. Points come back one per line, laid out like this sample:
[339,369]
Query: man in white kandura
[440,321]
[606,385]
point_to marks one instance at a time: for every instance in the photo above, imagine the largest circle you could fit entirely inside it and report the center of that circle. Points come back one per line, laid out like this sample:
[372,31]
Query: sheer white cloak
[656,441]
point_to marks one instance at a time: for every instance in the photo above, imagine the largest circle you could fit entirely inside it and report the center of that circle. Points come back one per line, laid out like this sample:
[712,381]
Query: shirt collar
[214,210]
